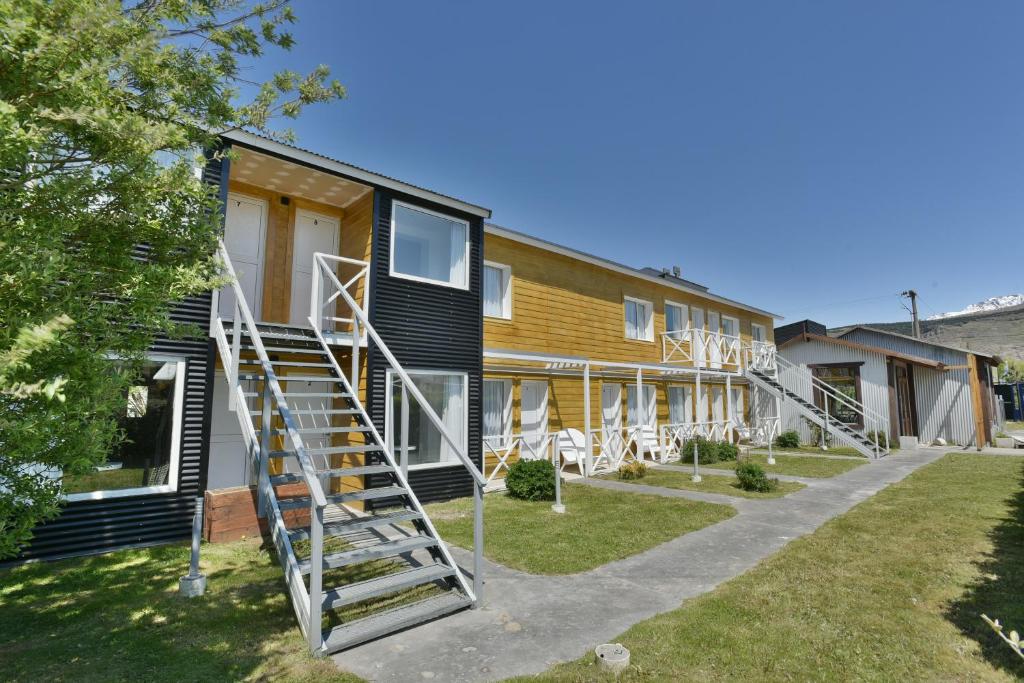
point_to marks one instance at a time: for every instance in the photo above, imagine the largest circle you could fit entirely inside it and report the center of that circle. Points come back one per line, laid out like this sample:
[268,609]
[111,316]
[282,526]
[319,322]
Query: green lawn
[891,591]
[678,477]
[598,526]
[815,450]
[1012,426]
[798,465]
[124,478]
[119,617]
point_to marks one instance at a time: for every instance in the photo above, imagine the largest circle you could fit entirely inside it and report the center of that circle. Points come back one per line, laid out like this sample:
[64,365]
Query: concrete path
[531,622]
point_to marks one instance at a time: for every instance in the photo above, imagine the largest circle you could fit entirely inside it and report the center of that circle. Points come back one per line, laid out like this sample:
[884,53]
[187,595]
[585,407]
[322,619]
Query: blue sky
[811,158]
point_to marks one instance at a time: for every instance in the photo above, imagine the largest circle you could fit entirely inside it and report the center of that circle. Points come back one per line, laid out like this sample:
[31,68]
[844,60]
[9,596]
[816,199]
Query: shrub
[707,450]
[633,470]
[531,480]
[878,436]
[727,451]
[788,439]
[752,477]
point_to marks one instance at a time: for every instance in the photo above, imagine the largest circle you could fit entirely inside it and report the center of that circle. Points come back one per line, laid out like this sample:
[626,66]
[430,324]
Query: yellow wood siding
[565,306]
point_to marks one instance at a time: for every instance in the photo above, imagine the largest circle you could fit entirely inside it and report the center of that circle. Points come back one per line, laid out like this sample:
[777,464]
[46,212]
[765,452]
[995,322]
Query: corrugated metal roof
[915,340]
[265,143]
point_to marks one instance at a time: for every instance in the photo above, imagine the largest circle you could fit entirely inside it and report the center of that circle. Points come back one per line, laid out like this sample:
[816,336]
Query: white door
[715,356]
[680,404]
[534,418]
[736,412]
[611,408]
[717,404]
[228,463]
[698,337]
[700,409]
[245,233]
[313,233]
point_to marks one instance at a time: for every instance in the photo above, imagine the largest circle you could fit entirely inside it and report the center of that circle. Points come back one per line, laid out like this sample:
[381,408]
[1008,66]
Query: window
[639,319]
[429,246]
[445,392]
[679,405]
[650,406]
[147,459]
[737,414]
[845,379]
[497,290]
[497,417]
[758,332]
[677,319]
[730,326]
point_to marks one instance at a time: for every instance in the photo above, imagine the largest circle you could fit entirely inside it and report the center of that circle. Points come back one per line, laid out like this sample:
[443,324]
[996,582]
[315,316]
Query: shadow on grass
[119,617]
[998,592]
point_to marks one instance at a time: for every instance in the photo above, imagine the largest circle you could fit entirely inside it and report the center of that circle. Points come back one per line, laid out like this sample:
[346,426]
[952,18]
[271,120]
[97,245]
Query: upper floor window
[497,290]
[429,246]
[639,319]
[730,326]
[677,319]
[758,332]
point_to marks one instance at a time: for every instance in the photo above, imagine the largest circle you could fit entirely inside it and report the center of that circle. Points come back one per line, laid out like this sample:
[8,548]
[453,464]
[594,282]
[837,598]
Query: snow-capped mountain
[990,304]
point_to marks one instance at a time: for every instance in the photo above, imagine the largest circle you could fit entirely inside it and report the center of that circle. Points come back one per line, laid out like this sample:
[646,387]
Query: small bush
[707,451]
[878,436]
[531,480]
[788,439]
[816,432]
[727,451]
[752,477]
[633,470]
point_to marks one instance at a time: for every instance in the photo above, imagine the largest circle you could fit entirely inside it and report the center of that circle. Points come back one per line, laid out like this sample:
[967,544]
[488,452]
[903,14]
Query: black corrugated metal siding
[428,327]
[88,527]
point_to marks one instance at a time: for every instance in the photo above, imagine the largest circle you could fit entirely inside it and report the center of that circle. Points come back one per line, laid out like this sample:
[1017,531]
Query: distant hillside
[993,303]
[997,332]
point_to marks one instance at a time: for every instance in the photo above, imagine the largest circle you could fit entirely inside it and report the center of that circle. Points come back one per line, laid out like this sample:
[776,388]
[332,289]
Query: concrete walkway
[531,622]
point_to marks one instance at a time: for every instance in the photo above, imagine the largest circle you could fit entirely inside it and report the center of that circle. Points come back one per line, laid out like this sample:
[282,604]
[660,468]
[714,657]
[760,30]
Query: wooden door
[905,410]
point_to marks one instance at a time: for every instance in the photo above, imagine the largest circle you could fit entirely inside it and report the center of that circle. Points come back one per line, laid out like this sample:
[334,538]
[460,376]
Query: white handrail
[371,333]
[317,304]
[701,348]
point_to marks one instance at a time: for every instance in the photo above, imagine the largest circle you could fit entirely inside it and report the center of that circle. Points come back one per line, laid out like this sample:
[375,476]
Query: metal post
[588,467]
[824,431]
[771,454]
[557,459]
[315,309]
[696,464]
[478,544]
[404,454]
[355,354]
[316,575]
[194,584]
[640,414]
[236,352]
[266,415]
[728,406]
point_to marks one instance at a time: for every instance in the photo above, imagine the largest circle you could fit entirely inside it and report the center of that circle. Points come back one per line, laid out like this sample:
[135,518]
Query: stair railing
[701,348]
[321,307]
[308,604]
[360,321]
[802,382]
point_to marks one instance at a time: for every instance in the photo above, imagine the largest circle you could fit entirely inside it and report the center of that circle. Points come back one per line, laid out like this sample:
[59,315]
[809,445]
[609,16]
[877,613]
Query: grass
[798,465]
[892,590]
[119,617]
[125,478]
[673,477]
[1012,426]
[598,526]
[815,450]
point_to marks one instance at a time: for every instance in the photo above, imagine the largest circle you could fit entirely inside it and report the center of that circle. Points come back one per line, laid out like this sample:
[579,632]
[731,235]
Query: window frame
[395,203]
[818,396]
[648,327]
[685,308]
[389,415]
[174,459]
[506,300]
[734,319]
[506,411]
[764,332]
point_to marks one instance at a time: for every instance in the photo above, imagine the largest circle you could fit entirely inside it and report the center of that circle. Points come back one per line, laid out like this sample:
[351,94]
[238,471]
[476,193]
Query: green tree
[105,109]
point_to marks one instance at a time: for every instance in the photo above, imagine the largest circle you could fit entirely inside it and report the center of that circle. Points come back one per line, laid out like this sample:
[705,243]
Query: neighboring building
[920,388]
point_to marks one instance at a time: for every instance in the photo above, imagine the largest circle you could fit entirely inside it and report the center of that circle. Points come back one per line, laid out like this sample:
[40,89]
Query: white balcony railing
[701,348]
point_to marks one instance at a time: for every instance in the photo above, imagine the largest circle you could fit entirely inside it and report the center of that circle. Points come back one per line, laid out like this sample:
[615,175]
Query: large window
[677,319]
[147,459]
[758,332]
[845,379]
[650,410]
[429,246]
[446,394]
[639,319]
[730,326]
[497,417]
[497,290]
[679,399]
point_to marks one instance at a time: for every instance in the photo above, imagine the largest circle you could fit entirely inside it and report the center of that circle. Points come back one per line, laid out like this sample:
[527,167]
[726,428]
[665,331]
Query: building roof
[897,335]
[643,274]
[889,353]
[293,152]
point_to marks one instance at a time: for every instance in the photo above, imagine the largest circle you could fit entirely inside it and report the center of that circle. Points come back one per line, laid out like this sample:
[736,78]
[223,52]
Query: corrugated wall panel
[873,377]
[428,327]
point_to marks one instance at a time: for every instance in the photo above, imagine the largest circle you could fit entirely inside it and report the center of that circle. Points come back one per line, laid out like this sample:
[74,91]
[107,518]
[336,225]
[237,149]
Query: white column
[728,406]
[588,466]
[640,413]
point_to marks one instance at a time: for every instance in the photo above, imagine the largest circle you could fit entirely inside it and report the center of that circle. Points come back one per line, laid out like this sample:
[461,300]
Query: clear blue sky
[794,155]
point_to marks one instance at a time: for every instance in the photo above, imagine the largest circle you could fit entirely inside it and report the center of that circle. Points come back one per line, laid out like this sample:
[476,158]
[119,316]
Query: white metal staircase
[351,576]
[797,386]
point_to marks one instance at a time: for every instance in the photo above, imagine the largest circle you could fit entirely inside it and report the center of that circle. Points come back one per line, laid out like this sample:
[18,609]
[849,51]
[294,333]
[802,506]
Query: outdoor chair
[572,448]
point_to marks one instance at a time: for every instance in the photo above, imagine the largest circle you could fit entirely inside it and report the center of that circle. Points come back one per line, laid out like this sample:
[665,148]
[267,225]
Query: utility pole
[912,295]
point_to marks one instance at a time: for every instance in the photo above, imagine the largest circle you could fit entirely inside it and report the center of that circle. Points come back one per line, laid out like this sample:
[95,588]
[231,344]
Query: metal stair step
[322,430]
[383,585]
[377,625]
[358,524]
[333,450]
[288,363]
[315,411]
[290,378]
[355,471]
[289,394]
[303,350]
[377,551]
[338,498]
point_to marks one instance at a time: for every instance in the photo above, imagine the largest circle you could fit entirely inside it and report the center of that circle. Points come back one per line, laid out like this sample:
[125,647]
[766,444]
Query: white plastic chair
[572,448]
[651,443]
